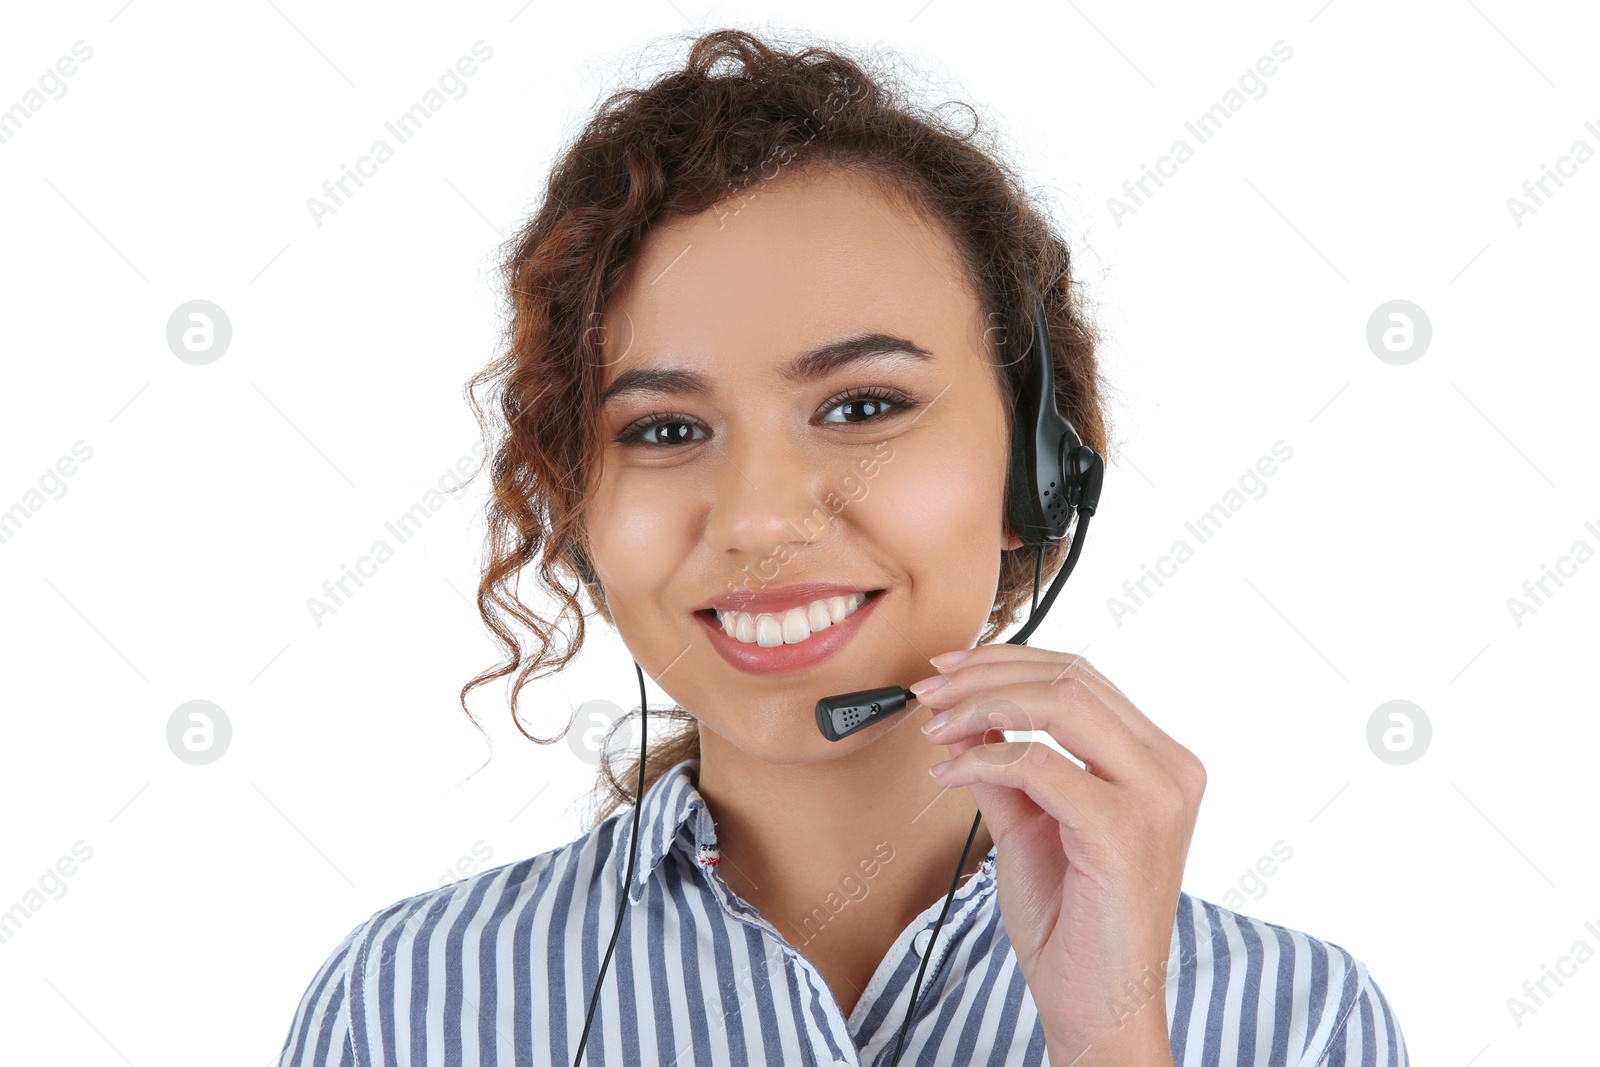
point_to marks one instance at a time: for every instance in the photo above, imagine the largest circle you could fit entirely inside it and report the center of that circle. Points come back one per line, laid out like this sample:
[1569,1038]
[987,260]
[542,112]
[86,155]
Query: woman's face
[761,480]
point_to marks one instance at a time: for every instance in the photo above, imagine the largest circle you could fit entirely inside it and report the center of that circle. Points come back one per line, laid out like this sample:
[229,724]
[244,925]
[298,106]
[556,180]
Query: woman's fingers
[1077,718]
[988,666]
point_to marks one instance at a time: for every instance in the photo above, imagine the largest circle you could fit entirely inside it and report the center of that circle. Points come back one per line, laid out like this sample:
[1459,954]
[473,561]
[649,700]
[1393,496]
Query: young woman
[771,325]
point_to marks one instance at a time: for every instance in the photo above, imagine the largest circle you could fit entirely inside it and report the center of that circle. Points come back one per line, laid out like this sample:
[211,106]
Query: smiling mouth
[790,627]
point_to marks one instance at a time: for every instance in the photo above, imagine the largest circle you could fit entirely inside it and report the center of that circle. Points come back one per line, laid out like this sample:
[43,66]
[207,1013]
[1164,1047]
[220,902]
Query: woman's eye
[660,431]
[874,404]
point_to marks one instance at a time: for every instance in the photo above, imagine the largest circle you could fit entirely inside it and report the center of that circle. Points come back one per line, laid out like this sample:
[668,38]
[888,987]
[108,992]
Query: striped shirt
[497,969]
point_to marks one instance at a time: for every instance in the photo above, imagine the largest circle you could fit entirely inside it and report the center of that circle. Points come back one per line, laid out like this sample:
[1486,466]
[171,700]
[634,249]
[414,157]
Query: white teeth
[792,626]
[838,607]
[795,627]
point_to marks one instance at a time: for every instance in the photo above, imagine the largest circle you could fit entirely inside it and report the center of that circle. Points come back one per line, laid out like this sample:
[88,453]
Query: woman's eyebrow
[814,363]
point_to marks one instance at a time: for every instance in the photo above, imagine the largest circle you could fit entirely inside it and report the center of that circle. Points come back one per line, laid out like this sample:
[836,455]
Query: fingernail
[949,659]
[939,768]
[928,685]
[937,723]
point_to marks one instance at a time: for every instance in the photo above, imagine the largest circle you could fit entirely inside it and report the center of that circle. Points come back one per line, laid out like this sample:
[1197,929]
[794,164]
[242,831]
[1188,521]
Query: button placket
[968,899]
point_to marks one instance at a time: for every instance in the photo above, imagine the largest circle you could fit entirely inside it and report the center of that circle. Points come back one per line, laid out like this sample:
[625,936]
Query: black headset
[1052,476]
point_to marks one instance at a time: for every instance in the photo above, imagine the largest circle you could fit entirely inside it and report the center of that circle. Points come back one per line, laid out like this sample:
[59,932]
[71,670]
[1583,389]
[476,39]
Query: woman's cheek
[633,522]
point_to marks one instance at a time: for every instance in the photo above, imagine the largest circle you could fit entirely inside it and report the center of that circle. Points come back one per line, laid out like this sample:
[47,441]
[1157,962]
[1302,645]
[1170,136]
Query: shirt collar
[672,801]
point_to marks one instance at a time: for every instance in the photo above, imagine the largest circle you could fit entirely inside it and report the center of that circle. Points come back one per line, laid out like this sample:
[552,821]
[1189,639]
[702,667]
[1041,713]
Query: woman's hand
[1089,860]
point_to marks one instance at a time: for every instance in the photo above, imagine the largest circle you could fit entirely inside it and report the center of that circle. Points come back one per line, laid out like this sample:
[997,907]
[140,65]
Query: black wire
[627,881]
[1038,573]
[932,941]
[916,987]
[1080,532]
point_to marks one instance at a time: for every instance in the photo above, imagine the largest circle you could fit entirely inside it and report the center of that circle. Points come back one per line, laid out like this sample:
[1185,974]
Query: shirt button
[920,942]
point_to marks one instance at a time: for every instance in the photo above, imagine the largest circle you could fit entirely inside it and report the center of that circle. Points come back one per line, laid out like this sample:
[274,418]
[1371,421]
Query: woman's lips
[753,659]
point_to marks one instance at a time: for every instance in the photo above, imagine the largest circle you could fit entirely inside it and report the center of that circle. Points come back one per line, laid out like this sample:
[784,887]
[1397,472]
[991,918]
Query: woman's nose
[766,497]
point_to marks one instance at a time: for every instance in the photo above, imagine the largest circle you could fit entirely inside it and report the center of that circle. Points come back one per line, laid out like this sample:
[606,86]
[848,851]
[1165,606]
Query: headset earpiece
[1052,472]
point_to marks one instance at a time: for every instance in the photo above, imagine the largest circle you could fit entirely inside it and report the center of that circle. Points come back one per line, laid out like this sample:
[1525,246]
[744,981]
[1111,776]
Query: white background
[177,562]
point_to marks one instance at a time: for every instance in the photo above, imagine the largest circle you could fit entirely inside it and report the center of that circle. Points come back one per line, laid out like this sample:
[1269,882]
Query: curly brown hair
[739,107]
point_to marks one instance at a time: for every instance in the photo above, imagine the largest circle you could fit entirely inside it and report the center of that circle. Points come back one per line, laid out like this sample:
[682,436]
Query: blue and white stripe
[497,969]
